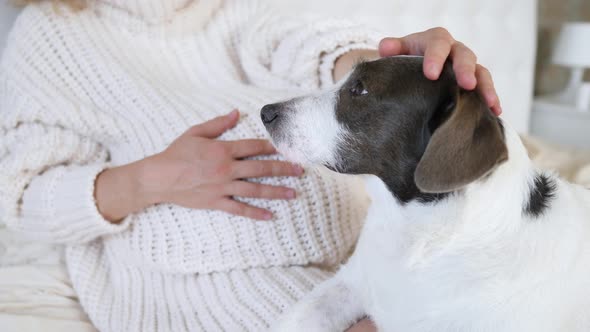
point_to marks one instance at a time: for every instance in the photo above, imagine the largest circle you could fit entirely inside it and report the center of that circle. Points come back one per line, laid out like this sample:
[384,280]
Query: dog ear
[464,148]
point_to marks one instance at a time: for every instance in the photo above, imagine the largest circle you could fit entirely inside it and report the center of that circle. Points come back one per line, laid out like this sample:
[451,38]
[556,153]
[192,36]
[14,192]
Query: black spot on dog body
[541,193]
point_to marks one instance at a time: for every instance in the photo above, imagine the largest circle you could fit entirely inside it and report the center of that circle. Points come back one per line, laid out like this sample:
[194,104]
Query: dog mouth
[287,136]
[296,150]
[305,129]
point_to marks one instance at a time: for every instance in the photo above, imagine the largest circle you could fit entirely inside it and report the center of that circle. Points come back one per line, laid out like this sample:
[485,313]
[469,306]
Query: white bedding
[35,292]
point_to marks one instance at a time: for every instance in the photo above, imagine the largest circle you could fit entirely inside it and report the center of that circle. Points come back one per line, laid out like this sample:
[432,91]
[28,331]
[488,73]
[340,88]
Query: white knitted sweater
[119,81]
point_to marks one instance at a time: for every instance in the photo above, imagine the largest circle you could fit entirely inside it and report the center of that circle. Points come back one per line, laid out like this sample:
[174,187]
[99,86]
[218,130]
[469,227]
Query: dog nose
[269,113]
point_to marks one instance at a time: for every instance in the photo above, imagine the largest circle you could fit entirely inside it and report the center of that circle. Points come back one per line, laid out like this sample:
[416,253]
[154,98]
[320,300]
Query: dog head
[423,138]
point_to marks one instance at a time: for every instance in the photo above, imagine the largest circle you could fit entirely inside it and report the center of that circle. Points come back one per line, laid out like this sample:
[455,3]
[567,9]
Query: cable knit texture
[119,81]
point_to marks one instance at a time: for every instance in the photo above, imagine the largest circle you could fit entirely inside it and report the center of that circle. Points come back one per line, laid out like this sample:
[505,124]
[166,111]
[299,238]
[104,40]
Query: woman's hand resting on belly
[196,171]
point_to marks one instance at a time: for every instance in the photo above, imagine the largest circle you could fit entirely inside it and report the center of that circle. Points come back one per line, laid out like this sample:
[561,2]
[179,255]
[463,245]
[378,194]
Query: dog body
[452,241]
[470,263]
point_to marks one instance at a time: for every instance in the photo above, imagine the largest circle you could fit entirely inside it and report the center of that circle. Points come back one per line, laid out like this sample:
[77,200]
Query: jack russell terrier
[463,233]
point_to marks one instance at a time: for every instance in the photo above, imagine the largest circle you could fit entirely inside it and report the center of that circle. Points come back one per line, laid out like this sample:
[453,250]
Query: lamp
[572,50]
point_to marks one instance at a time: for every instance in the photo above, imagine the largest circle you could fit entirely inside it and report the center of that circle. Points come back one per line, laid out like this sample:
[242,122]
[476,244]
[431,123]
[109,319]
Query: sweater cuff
[338,42]
[305,56]
[67,195]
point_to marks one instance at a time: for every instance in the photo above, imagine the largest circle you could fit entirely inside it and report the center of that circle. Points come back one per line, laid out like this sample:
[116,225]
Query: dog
[463,232]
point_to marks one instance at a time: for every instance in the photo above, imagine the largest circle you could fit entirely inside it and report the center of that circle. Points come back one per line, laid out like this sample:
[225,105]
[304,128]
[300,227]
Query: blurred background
[516,40]
[553,14]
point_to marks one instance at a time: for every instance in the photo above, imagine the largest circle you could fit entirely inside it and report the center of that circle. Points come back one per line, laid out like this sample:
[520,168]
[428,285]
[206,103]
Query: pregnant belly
[319,227]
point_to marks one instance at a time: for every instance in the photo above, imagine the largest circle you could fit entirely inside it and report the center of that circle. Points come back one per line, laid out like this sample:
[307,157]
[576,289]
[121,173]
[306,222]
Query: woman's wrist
[118,191]
[347,60]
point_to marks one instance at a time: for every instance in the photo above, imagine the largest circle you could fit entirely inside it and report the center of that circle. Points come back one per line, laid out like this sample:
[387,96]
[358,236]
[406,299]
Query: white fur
[472,262]
[314,133]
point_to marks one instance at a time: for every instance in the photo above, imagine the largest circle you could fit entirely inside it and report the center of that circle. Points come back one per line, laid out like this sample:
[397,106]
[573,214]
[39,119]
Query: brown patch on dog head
[466,147]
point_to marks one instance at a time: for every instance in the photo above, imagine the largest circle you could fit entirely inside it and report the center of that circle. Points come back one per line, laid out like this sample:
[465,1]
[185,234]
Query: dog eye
[358,89]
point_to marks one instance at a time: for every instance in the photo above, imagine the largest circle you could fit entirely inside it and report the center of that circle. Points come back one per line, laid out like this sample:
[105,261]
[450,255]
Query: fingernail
[470,82]
[433,71]
[233,113]
[267,216]
[271,147]
[298,170]
[290,194]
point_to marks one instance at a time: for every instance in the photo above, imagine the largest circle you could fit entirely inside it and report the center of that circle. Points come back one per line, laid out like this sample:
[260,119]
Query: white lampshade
[573,46]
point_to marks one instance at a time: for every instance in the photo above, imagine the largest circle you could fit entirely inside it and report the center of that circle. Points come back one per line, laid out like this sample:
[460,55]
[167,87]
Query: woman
[99,151]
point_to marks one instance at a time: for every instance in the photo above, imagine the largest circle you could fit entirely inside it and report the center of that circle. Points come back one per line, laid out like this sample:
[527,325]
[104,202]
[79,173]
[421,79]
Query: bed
[35,293]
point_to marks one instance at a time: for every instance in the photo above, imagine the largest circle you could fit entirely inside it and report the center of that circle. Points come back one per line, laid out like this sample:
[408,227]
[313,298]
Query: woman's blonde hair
[72,4]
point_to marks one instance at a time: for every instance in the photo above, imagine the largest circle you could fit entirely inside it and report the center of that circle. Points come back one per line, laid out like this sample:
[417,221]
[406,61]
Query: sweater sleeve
[284,52]
[47,174]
